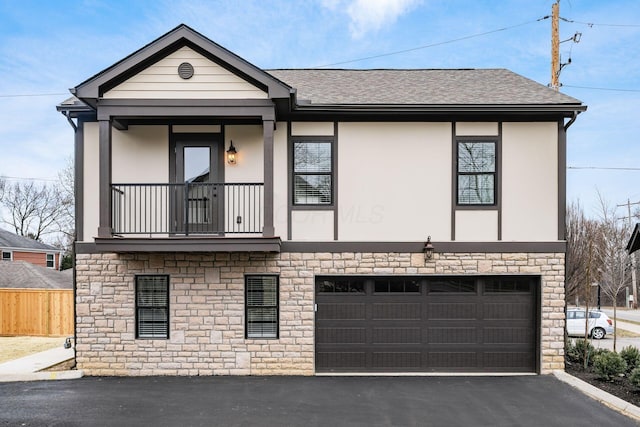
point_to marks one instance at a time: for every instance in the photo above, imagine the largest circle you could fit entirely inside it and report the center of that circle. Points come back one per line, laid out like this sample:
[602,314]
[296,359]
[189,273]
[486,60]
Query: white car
[599,323]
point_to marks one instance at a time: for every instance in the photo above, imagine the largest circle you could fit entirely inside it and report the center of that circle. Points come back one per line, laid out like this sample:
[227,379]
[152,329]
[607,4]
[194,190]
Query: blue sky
[47,47]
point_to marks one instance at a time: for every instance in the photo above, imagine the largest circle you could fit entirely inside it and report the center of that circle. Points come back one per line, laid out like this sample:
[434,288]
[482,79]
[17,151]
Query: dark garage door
[434,324]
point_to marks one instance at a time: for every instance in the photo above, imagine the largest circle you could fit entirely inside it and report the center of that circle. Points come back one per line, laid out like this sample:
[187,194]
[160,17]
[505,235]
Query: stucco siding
[140,154]
[476,128]
[91,201]
[249,143]
[312,129]
[209,81]
[394,181]
[312,225]
[530,181]
[477,226]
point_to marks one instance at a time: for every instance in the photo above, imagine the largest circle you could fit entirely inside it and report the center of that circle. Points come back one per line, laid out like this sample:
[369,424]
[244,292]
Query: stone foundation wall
[206,307]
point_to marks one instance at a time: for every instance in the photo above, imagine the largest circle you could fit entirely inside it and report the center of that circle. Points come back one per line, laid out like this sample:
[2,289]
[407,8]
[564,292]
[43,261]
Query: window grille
[476,172]
[312,172]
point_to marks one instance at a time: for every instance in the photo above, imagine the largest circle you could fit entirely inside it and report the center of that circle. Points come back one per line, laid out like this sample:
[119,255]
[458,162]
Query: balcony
[188,217]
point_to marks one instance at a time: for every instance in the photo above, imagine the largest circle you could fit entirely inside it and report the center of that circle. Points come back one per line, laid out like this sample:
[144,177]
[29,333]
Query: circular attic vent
[185,70]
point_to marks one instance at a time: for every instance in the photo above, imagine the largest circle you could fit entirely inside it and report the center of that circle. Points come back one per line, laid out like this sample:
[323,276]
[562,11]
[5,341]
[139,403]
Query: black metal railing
[187,209]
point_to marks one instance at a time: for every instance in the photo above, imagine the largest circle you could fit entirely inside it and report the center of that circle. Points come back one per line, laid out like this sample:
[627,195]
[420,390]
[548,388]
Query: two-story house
[235,220]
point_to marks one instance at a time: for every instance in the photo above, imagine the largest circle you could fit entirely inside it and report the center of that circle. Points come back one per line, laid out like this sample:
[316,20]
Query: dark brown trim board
[334,152]
[78,175]
[499,180]
[413,247]
[225,244]
[267,128]
[562,180]
[104,226]
[179,244]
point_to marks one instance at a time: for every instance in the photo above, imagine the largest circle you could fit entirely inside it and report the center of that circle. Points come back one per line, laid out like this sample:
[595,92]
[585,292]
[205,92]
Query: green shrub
[575,352]
[608,365]
[634,377]
[631,355]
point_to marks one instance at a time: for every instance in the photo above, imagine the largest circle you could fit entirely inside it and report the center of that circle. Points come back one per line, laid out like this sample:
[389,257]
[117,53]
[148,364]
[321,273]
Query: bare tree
[580,232]
[615,270]
[32,210]
[66,221]
[3,184]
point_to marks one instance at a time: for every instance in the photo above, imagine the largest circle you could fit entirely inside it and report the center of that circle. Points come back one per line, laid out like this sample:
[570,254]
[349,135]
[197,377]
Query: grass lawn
[16,347]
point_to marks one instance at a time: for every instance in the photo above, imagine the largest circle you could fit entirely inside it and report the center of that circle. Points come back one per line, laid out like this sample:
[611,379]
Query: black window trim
[311,206]
[168,284]
[10,258]
[496,173]
[246,306]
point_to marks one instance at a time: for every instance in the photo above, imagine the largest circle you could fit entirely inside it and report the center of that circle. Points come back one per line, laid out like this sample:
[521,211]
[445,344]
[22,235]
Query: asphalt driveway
[303,401]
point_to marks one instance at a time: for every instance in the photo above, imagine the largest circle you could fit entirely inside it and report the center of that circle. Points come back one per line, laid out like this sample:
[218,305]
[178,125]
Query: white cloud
[371,15]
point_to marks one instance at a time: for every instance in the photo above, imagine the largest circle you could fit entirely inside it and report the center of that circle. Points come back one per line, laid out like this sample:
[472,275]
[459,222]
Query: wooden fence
[36,312]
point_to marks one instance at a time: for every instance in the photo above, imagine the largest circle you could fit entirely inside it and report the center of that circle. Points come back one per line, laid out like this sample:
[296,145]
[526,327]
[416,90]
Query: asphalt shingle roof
[21,274]
[11,240]
[418,87]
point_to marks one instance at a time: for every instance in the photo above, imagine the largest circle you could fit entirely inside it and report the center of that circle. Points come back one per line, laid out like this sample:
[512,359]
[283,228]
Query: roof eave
[566,109]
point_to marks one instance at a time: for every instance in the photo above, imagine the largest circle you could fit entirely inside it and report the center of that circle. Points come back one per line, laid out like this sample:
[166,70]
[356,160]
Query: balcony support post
[104,226]
[268,126]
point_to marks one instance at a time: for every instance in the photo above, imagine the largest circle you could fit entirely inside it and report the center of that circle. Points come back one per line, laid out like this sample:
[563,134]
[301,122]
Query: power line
[20,95]
[593,24]
[433,44]
[602,88]
[603,168]
[22,178]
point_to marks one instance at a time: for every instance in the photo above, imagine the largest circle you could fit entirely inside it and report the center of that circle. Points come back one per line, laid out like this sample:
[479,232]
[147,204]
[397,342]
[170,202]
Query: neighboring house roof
[21,274]
[13,241]
[634,241]
[418,87]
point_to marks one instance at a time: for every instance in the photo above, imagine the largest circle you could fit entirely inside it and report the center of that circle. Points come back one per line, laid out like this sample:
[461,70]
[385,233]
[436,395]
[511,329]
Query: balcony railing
[187,209]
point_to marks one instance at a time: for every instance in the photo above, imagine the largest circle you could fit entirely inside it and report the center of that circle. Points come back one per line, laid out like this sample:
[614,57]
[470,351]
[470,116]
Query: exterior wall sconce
[428,249]
[231,154]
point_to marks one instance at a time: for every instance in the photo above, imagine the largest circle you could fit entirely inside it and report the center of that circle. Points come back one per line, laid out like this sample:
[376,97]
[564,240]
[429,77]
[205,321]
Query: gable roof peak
[182,35]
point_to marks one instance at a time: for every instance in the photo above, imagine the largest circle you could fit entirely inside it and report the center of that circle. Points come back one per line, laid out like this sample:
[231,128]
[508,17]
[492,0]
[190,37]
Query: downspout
[73,125]
[574,116]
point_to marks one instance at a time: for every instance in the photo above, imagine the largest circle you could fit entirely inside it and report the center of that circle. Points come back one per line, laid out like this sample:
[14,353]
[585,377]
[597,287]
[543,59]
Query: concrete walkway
[29,368]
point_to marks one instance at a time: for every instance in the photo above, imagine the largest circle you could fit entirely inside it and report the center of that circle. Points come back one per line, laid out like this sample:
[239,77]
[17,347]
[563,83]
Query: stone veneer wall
[206,303]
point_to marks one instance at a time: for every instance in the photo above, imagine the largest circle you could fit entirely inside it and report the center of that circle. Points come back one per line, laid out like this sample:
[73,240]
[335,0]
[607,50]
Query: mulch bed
[620,387]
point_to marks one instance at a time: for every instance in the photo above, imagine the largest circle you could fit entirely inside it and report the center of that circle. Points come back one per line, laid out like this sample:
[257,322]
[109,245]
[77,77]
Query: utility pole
[633,256]
[555,46]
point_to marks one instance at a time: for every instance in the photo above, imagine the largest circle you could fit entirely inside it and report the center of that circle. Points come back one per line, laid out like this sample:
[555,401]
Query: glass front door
[198,186]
